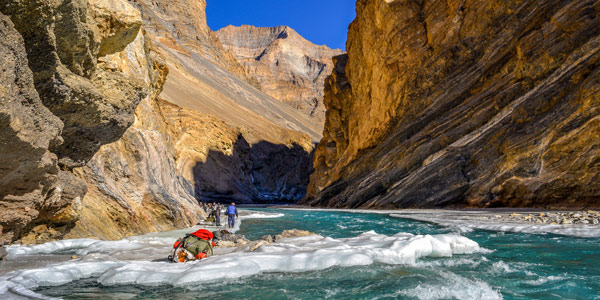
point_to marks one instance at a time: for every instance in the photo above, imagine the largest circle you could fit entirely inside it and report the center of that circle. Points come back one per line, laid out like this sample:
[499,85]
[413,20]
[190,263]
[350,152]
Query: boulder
[292,233]
[257,244]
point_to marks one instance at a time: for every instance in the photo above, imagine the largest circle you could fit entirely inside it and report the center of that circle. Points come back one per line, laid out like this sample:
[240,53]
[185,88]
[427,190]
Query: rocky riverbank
[571,223]
[588,217]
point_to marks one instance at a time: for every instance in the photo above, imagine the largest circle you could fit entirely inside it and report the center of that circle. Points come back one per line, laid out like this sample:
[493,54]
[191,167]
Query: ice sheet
[104,261]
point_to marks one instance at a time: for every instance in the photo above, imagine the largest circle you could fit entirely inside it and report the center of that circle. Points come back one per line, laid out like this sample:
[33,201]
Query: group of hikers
[214,213]
[199,244]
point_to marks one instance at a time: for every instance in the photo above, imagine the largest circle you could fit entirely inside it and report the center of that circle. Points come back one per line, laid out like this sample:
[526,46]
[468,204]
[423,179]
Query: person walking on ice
[231,213]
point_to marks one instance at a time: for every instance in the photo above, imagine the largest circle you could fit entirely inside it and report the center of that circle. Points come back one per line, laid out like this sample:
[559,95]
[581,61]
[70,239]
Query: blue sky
[319,21]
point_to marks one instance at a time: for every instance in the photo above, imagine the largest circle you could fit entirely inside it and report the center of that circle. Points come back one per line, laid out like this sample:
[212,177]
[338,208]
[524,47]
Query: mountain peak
[287,66]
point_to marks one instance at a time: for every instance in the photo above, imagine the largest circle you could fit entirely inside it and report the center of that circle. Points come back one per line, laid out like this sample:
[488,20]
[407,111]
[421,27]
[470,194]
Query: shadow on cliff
[260,173]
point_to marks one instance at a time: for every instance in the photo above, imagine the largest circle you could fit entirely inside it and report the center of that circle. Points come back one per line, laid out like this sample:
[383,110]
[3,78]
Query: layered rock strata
[464,103]
[240,124]
[198,142]
[287,66]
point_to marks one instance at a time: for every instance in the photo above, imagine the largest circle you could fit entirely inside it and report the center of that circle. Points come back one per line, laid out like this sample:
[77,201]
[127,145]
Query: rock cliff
[89,148]
[29,170]
[73,74]
[232,123]
[464,103]
[200,140]
[285,65]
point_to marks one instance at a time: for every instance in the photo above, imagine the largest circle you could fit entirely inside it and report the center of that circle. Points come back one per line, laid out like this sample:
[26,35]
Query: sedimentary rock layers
[285,65]
[468,103]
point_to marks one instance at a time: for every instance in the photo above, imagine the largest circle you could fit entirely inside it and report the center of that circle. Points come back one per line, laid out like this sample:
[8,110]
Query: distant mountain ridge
[286,65]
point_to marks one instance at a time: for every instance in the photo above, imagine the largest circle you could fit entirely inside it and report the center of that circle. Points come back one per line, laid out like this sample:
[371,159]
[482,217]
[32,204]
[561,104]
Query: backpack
[203,234]
[197,244]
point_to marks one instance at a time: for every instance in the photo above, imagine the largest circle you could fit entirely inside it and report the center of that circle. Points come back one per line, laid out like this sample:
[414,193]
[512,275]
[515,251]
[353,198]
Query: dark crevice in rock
[259,173]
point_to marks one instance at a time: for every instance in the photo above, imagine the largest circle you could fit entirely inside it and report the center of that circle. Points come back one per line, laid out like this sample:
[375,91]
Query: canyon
[120,117]
[201,140]
[464,104]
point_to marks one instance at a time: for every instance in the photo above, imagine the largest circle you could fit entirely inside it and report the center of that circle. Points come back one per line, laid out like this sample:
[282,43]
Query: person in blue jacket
[231,213]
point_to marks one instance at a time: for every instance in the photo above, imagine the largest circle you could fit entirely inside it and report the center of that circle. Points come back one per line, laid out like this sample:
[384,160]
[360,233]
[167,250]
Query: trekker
[218,215]
[211,214]
[231,213]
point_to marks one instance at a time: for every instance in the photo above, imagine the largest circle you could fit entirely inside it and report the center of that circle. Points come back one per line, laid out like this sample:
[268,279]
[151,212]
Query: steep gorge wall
[240,124]
[464,103]
[194,142]
[73,74]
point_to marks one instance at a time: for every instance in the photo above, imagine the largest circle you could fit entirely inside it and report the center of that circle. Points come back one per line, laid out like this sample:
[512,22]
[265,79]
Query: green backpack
[196,245]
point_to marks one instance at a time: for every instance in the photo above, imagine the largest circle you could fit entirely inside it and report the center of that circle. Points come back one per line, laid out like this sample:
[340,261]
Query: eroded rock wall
[29,172]
[137,184]
[464,103]
[76,71]
[287,66]
[198,141]
[230,123]
[67,43]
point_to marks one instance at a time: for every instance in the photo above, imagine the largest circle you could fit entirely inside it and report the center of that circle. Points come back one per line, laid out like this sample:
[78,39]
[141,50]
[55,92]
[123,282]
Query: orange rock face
[464,103]
[287,66]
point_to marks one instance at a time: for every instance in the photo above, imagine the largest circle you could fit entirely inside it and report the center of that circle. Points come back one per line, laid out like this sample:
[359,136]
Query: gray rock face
[259,173]
[64,40]
[29,181]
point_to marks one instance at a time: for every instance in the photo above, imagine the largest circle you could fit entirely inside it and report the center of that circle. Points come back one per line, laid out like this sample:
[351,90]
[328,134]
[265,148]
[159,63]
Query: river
[356,255]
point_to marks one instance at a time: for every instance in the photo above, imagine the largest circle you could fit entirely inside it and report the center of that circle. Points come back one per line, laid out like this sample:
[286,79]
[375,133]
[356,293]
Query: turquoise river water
[357,256]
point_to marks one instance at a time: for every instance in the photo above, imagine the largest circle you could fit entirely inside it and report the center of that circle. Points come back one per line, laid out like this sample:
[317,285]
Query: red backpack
[203,234]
